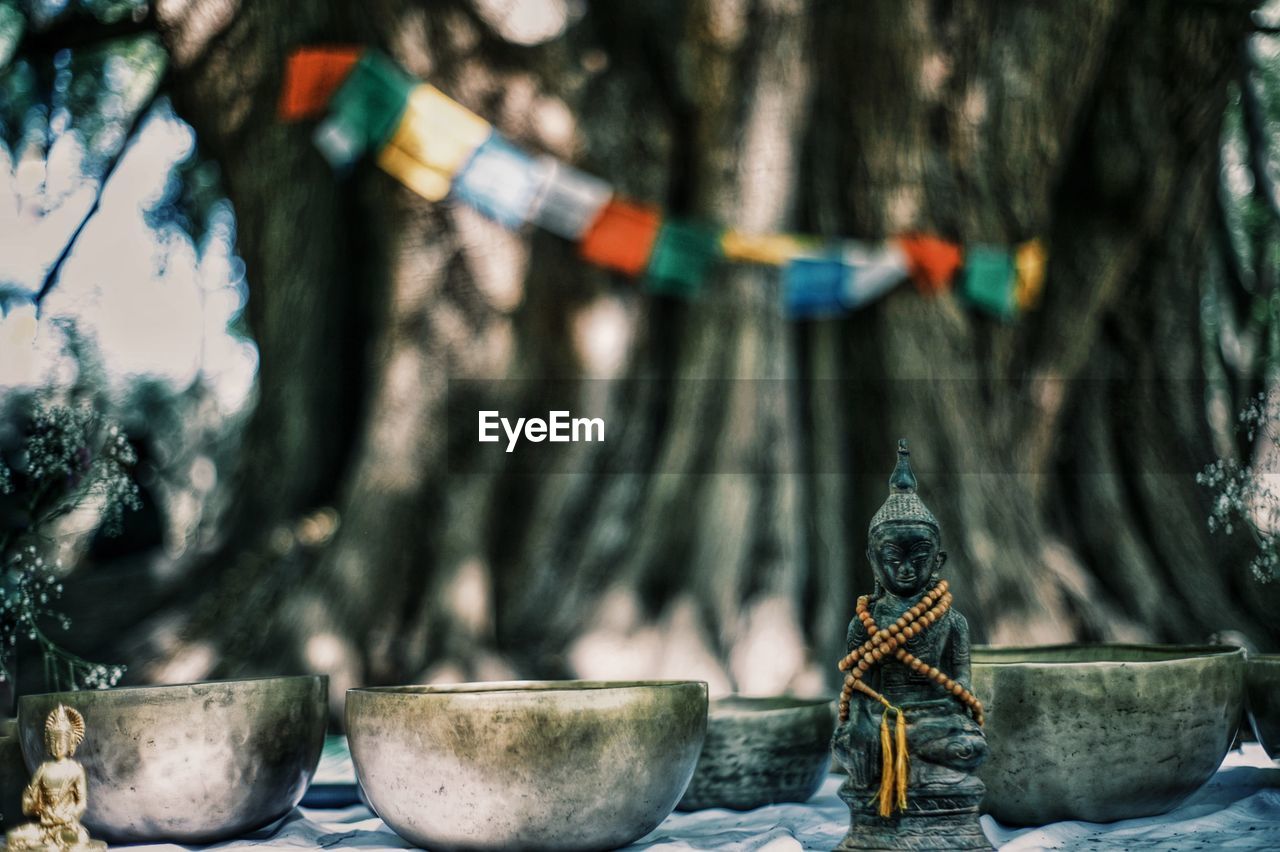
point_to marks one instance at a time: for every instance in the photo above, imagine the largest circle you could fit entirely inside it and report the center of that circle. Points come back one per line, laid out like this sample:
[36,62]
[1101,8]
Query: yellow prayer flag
[429,183]
[1029,262]
[767,249]
[435,137]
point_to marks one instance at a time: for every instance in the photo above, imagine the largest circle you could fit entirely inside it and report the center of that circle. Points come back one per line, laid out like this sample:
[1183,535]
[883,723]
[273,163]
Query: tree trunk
[719,531]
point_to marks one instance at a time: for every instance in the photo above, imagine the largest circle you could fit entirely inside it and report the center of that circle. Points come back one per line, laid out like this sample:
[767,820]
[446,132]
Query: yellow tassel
[901,765]
[886,767]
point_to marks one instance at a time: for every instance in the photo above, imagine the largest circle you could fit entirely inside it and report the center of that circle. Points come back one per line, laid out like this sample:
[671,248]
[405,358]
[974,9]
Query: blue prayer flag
[501,181]
[813,286]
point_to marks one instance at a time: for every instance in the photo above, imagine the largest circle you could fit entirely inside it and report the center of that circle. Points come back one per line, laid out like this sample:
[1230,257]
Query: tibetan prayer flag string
[766,249]
[438,148]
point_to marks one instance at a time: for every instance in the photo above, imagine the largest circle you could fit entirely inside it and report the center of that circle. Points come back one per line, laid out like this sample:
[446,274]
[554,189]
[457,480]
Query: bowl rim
[716,708]
[1254,657]
[1178,654]
[162,687]
[519,687]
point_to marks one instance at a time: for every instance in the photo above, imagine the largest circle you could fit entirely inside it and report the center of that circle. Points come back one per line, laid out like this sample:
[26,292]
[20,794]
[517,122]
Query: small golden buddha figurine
[56,795]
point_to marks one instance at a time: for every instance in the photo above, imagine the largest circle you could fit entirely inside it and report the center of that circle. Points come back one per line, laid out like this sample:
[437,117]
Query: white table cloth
[1238,809]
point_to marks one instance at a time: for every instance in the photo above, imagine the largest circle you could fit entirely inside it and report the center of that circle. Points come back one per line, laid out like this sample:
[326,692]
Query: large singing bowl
[194,763]
[1103,732]
[760,751]
[557,765]
[1263,681]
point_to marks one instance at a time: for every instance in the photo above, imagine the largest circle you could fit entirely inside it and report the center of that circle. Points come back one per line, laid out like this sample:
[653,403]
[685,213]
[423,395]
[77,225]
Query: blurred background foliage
[1242,305]
[120,288]
[119,267]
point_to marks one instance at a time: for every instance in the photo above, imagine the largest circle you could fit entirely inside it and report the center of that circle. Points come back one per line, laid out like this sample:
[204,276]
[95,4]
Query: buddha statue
[910,732]
[56,795]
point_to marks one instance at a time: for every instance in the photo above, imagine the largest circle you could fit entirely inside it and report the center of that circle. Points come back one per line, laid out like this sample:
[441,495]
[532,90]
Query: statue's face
[905,557]
[58,743]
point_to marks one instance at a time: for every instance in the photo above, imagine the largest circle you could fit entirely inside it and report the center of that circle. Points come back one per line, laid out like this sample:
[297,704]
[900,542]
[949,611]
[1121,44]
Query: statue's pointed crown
[66,720]
[903,505]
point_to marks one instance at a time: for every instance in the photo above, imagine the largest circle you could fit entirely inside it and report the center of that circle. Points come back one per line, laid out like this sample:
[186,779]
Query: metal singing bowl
[556,765]
[193,763]
[1103,732]
[760,751]
[1263,682]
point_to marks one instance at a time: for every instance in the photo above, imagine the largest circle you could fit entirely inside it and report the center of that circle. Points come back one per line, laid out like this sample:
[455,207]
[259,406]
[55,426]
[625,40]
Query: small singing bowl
[1262,678]
[192,763]
[760,751]
[1103,732]
[557,765]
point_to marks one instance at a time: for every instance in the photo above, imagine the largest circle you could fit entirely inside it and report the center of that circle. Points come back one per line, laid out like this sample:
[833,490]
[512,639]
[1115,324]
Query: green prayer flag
[373,98]
[989,280]
[682,256]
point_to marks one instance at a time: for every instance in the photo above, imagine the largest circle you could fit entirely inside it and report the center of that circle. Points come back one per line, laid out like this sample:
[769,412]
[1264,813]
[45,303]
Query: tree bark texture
[719,531]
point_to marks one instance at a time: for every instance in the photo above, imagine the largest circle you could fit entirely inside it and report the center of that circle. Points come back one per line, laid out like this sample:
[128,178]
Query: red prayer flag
[932,262]
[622,236]
[311,76]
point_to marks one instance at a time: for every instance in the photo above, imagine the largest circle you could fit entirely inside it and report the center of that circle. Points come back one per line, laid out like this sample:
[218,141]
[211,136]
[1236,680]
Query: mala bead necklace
[881,646]
[885,643]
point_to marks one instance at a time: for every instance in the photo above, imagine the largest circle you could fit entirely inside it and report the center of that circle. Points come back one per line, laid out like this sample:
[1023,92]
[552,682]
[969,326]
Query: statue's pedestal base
[937,817]
[951,831]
